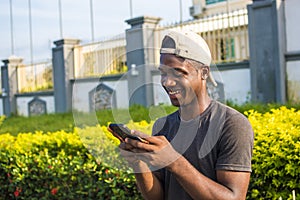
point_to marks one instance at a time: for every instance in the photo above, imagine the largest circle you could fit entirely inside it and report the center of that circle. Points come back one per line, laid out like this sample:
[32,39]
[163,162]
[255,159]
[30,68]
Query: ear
[204,72]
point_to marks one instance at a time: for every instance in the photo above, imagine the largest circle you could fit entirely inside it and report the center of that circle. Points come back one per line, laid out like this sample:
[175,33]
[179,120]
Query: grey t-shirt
[220,138]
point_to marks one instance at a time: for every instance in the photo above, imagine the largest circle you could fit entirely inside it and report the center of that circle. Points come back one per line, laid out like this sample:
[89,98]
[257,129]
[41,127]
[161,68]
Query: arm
[149,185]
[229,185]
[147,181]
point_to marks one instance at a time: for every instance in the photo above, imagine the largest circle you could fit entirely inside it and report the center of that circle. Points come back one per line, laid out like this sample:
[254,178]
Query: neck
[195,108]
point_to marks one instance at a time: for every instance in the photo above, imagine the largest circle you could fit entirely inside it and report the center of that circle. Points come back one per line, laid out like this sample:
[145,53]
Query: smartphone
[121,132]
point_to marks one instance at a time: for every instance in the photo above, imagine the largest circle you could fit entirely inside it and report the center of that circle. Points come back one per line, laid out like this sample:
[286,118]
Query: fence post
[63,71]
[140,53]
[9,78]
[267,48]
[5,89]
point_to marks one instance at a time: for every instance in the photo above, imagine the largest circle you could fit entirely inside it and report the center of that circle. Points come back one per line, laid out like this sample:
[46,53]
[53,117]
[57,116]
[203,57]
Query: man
[203,150]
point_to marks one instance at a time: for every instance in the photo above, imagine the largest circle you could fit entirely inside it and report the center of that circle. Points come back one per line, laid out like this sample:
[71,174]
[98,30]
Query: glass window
[213,1]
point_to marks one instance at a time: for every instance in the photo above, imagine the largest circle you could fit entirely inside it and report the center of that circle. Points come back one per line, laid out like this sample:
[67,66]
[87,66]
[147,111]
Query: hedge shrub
[56,165]
[276,157]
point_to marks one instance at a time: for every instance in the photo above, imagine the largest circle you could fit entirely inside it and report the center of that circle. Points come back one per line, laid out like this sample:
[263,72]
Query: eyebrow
[180,70]
[175,69]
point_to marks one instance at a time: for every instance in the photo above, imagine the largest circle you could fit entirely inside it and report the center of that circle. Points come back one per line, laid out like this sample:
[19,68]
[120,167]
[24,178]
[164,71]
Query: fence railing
[35,77]
[101,58]
[225,33]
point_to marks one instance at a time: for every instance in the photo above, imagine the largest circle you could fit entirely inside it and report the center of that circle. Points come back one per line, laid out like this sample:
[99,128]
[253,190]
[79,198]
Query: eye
[178,73]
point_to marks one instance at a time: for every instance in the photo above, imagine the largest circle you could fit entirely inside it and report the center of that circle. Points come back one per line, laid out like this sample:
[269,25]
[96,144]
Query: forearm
[149,185]
[197,185]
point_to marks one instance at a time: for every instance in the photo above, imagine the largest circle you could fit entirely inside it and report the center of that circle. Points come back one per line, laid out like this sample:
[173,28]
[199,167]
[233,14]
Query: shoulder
[231,115]
[234,125]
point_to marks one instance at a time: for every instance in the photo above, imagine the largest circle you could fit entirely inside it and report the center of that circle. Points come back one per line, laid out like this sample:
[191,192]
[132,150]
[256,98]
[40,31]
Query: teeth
[173,92]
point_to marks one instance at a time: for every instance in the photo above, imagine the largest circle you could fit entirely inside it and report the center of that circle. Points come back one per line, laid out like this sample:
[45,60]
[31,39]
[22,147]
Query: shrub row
[58,166]
[84,164]
[276,157]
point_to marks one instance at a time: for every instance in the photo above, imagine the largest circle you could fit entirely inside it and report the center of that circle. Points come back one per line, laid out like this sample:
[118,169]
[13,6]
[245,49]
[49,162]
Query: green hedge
[56,165]
[276,157]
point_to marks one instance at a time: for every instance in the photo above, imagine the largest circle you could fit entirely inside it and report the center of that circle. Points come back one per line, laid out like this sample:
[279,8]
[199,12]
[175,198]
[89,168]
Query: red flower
[106,171]
[49,167]
[54,191]
[8,175]
[17,192]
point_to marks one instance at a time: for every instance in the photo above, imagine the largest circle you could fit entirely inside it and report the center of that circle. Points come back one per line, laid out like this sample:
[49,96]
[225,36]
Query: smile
[173,92]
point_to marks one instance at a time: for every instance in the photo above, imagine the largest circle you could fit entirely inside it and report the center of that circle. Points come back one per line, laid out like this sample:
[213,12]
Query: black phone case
[123,132]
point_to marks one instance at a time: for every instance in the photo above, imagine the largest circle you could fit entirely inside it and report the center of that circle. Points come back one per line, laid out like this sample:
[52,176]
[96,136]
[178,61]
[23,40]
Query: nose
[167,81]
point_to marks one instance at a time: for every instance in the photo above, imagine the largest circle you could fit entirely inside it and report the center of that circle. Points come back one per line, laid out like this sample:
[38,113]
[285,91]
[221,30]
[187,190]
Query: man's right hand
[129,153]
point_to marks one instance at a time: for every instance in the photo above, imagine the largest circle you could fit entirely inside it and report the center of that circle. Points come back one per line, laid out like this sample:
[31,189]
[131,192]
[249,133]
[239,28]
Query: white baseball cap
[187,44]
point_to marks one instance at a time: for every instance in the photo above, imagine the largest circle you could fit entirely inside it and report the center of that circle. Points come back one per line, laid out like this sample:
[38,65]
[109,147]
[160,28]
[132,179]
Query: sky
[108,15]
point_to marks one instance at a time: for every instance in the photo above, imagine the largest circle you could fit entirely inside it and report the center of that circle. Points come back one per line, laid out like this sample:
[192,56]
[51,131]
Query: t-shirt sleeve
[236,144]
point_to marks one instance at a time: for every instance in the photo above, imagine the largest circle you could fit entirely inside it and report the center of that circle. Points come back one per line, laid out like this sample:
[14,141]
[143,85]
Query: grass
[46,123]
[67,121]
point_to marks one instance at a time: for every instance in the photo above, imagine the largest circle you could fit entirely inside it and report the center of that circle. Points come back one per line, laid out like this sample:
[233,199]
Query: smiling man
[204,149]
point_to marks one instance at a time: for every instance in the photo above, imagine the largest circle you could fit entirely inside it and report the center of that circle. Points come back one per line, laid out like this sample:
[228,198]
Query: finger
[125,153]
[140,134]
[138,151]
[126,146]
[150,139]
[140,146]
[157,140]
[109,129]
[131,156]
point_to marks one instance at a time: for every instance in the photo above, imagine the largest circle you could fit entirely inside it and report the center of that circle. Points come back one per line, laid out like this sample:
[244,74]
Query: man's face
[180,80]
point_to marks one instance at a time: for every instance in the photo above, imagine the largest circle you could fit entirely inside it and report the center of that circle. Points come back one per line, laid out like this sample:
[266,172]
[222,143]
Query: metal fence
[35,77]
[225,33]
[101,58]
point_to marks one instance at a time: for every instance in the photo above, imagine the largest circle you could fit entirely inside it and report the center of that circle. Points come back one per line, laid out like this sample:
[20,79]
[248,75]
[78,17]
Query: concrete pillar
[267,47]
[141,44]
[9,78]
[63,71]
